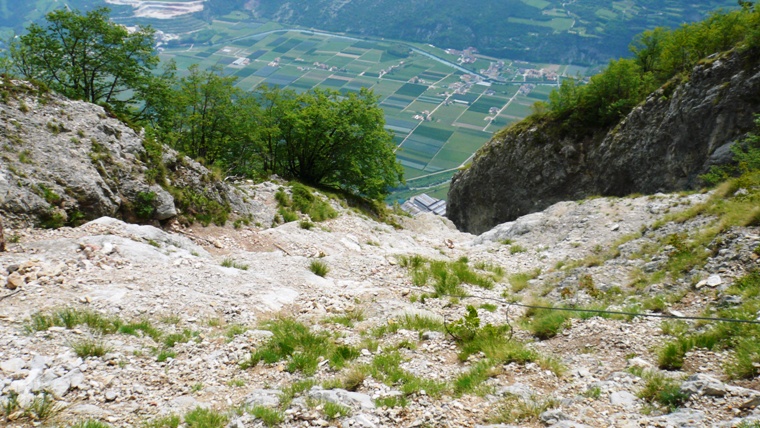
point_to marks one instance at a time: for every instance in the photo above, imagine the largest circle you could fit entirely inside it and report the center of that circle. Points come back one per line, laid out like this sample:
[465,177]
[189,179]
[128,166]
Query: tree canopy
[87,57]
[659,55]
[319,137]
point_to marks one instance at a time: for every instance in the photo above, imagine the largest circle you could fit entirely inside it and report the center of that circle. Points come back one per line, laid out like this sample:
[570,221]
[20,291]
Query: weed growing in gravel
[235,330]
[386,368]
[302,348]
[515,249]
[143,326]
[515,409]
[348,318]
[305,201]
[205,418]
[91,424]
[334,410]
[519,281]
[593,392]
[661,390]
[237,382]
[169,421]
[743,339]
[164,355]
[392,401]
[90,348]
[472,380]
[174,338]
[546,323]
[43,408]
[270,417]
[319,268]
[229,263]
[447,277]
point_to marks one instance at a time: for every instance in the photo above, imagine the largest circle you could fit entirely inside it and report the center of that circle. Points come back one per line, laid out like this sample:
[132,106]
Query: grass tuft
[319,268]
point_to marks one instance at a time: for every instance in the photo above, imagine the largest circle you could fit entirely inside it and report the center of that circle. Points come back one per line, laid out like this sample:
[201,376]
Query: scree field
[438,112]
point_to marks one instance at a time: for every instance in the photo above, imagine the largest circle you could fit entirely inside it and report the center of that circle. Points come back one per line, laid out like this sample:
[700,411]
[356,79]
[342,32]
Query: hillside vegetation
[533,30]
[655,122]
[548,31]
[659,56]
[318,136]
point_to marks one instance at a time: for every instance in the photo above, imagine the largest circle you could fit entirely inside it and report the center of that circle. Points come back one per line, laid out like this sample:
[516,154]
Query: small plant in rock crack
[302,348]
[659,389]
[270,417]
[205,418]
[318,267]
[91,424]
[90,348]
[229,263]
[514,409]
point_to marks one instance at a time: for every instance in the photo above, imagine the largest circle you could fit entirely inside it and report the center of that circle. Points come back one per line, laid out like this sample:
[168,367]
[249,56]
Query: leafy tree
[199,117]
[323,138]
[87,57]
[340,142]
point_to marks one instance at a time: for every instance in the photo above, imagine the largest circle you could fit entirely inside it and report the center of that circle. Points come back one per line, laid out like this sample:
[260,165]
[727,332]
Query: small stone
[110,396]
[12,366]
[714,281]
[623,399]
[615,227]
[14,281]
[676,314]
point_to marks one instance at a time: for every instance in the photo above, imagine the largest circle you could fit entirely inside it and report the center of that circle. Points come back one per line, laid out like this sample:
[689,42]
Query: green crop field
[438,117]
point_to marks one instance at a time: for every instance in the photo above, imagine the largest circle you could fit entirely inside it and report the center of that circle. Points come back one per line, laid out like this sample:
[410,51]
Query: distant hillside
[653,123]
[534,30]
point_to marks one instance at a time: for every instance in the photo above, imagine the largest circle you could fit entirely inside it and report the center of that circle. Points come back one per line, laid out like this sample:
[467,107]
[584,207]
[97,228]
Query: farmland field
[439,114]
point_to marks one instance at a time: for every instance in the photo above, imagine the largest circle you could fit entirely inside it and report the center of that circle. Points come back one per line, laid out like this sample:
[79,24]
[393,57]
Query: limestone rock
[702,384]
[662,145]
[341,396]
[14,281]
[264,397]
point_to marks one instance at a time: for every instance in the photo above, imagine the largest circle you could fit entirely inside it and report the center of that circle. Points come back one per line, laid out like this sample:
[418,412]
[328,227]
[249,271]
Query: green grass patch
[301,348]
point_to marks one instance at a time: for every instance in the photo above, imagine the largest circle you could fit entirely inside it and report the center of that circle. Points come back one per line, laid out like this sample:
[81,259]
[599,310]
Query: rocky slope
[65,162]
[176,282]
[129,325]
[662,145]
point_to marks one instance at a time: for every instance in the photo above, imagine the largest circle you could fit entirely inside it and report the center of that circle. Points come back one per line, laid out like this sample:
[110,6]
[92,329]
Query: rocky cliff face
[662,145]
[66,161]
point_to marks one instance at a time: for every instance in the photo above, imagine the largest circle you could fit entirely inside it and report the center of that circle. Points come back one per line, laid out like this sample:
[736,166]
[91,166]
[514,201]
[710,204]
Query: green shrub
[144,208]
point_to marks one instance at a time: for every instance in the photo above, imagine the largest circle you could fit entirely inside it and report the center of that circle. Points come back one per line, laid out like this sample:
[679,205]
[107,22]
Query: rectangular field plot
[435,133]
[412,90]
[485,103]
[516,109]
[400,125]
[449,114]
[476,120]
